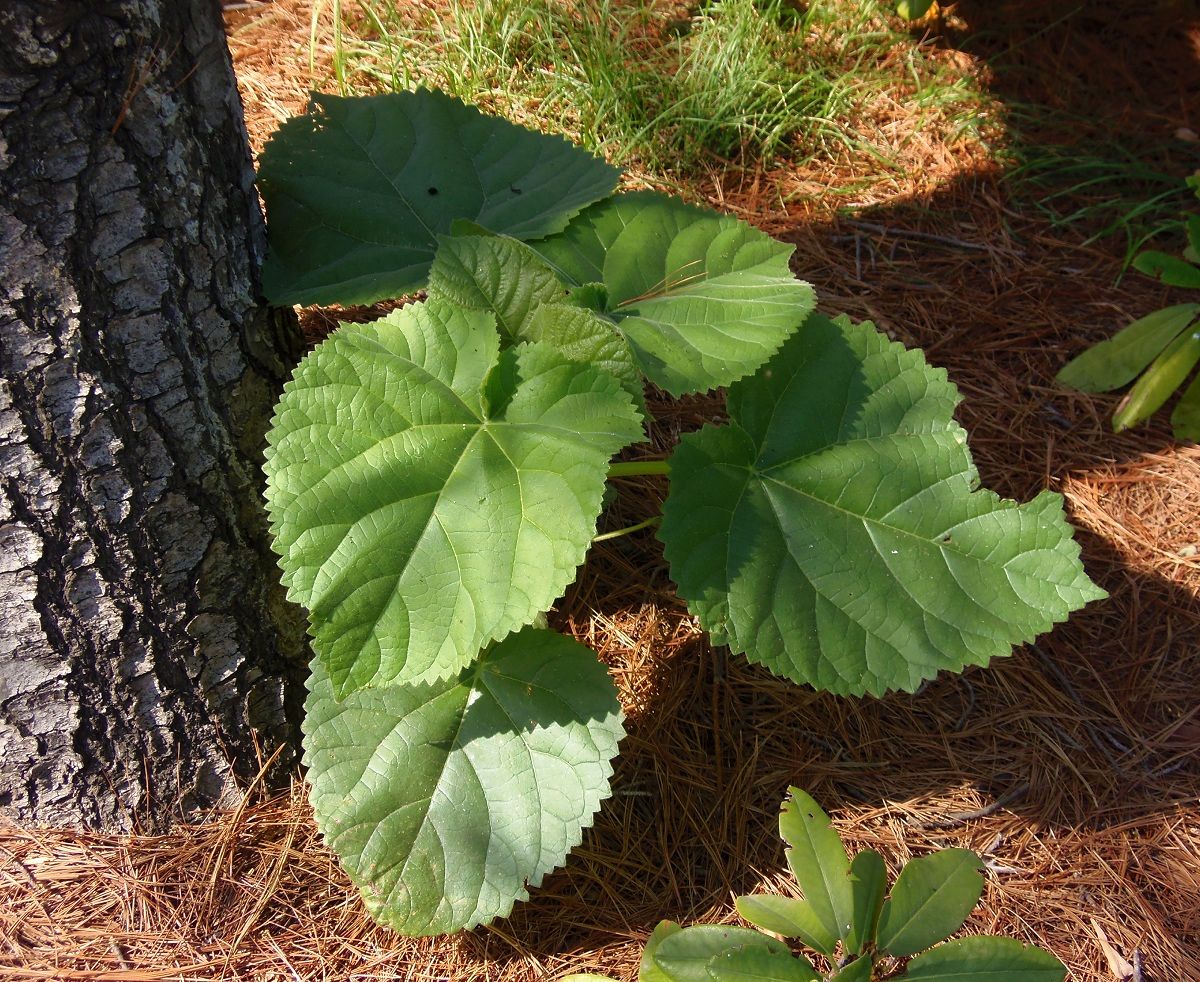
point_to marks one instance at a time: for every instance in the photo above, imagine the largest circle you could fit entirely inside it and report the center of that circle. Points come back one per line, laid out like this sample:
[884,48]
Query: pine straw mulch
[1072,767]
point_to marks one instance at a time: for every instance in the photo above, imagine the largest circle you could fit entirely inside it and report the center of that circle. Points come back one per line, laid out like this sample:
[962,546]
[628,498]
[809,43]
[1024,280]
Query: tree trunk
[144,637]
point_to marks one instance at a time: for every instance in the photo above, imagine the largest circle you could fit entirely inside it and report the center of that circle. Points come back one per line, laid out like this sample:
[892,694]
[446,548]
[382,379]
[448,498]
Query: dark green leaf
[983,959]
[789,917]
[1160,380]
[833,531]
[858,970]
[1186,417]
[932,898]
[444,801]
[647,970]
[755,964]
[684,956]
[358,189]
[818,861]
[868,882]
[1117,361]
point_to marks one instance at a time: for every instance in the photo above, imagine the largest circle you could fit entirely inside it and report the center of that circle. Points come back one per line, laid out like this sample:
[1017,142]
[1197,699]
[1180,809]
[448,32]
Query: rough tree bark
[143,635]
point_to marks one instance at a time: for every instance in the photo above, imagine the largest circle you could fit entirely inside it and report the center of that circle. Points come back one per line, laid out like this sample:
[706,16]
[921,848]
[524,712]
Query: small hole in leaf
[515,190]
[433,190]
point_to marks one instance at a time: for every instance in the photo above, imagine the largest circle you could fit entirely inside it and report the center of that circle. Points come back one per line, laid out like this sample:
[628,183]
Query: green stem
[652,520]
[638,468]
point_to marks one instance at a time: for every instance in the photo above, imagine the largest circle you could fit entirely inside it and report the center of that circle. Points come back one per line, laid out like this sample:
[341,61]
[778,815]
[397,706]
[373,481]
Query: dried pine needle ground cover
[1073,767]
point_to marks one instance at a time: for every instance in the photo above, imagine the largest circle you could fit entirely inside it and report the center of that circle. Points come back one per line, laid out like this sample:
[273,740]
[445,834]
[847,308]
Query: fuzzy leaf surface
[985,959]
[931,899]
[702,298]
[501,275]
[358,189]
[833,531]
[411,512]
[444,801]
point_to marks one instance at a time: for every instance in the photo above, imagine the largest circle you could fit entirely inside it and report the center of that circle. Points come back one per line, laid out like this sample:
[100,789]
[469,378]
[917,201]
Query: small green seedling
[1162,348]
[848,919]
[434,481]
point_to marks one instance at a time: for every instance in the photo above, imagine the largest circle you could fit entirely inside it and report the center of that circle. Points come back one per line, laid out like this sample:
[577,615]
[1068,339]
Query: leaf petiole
[638,468]
[616,534]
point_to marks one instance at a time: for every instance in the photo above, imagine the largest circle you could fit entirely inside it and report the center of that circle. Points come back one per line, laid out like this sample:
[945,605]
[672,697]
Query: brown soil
[1072,767]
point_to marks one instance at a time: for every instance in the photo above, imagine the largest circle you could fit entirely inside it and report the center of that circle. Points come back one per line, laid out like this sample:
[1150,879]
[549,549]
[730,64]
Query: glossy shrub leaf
[410,512]
[932,897]
[833,531]
[1159,381]
[868,883]
[647,970]
[358,189]
[1171,270]
[684,956]
[703,298]
[789,917]
[444,801]
[818,861]
[1186,418]
[753,963]
[501,275]
[858,970]
[984,959]
[1118,361]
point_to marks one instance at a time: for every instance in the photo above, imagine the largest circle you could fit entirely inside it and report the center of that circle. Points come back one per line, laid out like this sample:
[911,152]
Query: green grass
[669,89]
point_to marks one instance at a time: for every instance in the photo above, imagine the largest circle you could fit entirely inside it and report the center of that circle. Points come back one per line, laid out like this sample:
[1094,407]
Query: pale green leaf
[445,801]
[1186,417]
[789,917]
[1117,361]
[411,518]
[358,189]
[684,956]
[758,964]
[868,883]
[1160,380]
[932,897]
[984,959]
[647,970]
[912,9]
[703,298]
[833,531]
[818,861]
[1171,270]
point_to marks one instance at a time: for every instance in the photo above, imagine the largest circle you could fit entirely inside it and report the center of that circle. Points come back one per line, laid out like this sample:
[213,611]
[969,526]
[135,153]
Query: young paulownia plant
[435,479]
[848,919]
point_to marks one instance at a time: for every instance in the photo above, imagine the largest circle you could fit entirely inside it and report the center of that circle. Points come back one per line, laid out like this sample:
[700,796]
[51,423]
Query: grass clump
[661,86]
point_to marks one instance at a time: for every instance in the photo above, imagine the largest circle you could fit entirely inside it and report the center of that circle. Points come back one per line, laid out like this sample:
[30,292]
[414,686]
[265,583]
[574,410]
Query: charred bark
[144,638]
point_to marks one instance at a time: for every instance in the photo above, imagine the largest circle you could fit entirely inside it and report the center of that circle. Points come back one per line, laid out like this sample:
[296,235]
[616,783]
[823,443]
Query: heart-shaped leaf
[985,959]
[444,801]
[357,191]
[410,512]
[833,531]
[702,298]
[1118,361]
[931,899]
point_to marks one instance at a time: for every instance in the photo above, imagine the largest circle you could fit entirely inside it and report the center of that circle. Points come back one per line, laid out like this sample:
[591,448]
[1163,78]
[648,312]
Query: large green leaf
[833,531]
[501,275]
[984,959]
[357,191]
[789,917]
[1117,361]
[684,956]
[753,963]
[703,298]
[931,899]
[818,861]
[417,520]
[444,801]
